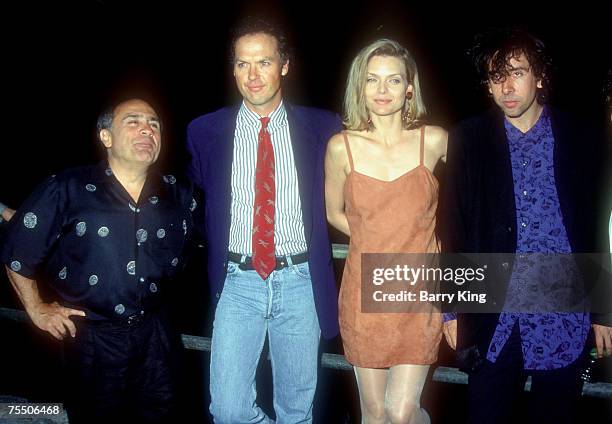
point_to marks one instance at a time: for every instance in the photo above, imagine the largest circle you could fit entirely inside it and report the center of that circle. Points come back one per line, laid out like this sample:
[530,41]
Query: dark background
[62,63]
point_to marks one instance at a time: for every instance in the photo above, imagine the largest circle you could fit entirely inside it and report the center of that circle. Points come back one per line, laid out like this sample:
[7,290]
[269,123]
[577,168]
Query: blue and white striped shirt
[289,237]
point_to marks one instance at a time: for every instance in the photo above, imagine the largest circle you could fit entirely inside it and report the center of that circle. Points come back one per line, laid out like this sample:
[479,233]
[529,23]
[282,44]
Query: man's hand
[50,317]
[450,333]
[54,318]
[603,340]
[8,213]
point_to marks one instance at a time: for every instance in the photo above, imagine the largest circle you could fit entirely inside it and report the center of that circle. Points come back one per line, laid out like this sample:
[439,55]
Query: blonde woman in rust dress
[380,190]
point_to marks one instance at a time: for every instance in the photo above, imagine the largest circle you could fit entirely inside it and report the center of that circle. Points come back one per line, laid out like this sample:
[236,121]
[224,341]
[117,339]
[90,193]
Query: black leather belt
[134,319]
[130,321]
[245,263]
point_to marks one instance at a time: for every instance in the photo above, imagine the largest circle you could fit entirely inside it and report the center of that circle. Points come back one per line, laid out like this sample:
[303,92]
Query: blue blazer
[210,140]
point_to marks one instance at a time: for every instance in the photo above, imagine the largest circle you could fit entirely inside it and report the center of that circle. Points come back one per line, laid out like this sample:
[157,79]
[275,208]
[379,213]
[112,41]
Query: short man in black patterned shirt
[107,239]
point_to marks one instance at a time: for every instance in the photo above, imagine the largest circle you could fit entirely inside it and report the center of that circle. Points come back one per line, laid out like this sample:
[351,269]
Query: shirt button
[509,229]
[137,210]
[217,295]
[524,192]
[142,279]
[138,244]
[523,224]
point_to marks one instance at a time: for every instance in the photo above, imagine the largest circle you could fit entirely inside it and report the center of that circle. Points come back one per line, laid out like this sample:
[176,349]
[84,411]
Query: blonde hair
[356,115]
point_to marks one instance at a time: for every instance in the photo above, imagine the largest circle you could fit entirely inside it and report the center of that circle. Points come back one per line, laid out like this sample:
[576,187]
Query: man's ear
[539,84]
[285,68]
[106,138]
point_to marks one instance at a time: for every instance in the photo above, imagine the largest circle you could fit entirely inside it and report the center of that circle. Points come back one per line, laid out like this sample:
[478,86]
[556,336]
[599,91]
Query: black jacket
[477,212]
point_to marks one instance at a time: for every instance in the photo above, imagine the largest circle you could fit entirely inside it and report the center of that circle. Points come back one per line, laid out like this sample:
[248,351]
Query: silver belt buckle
[134,319]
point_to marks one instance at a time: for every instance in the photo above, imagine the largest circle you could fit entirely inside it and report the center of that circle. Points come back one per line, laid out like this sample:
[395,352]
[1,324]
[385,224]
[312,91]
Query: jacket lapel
[565,171]
[221,158]
[305,158]
[500,189]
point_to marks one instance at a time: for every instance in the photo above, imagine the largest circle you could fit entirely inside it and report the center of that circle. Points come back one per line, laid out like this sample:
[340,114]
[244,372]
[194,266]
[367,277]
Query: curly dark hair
[492,51]
[256,25]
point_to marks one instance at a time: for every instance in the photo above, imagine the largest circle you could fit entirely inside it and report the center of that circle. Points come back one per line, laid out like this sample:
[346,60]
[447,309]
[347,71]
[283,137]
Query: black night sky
[62,63]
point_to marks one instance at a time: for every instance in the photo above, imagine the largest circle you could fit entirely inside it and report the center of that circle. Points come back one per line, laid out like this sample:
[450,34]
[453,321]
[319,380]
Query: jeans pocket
[232,268]
[302,270]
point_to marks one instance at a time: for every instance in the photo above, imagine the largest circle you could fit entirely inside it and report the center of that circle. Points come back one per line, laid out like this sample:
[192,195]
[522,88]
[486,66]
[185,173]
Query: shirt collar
[541,124]
[278,117]
[102,171]
[103,174]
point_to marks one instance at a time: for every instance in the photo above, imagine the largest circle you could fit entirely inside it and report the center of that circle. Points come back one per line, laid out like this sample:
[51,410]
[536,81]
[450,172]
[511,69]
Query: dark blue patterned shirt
[101,252]
[549,340]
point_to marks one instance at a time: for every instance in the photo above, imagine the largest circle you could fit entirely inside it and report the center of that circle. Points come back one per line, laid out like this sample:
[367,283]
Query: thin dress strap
[422,144]
[348,150]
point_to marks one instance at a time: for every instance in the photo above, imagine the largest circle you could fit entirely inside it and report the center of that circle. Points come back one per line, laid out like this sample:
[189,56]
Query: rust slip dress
[396,216]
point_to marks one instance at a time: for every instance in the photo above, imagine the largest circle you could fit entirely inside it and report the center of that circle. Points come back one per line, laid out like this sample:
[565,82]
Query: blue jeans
[283,307]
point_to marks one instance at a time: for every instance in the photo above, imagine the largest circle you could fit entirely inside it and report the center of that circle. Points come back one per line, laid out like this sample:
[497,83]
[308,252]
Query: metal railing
[335,361]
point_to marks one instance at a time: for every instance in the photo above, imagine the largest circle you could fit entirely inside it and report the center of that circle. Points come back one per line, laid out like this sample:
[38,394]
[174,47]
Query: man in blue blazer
[260,166]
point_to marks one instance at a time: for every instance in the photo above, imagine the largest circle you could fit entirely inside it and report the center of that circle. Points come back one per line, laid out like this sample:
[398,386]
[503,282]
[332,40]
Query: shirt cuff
[449,316]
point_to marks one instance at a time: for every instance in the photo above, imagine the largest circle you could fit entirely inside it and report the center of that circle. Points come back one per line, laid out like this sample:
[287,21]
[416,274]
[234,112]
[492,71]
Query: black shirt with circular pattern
[82,233]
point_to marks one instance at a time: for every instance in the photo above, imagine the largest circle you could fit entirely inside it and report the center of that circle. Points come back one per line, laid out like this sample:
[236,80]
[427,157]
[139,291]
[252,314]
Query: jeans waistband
[245,262]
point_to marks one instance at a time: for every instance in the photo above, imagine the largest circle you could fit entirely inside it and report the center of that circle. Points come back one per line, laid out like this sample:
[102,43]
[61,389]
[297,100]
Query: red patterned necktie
[264,258]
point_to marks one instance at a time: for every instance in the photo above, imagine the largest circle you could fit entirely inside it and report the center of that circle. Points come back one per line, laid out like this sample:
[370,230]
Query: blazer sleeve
[331,124]
[194,147]
[196,170]
[455,195]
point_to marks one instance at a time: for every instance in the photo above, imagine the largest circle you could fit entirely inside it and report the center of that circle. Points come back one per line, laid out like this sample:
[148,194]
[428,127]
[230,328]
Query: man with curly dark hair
[519,178]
